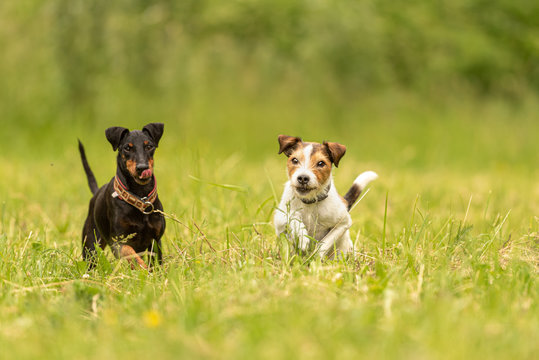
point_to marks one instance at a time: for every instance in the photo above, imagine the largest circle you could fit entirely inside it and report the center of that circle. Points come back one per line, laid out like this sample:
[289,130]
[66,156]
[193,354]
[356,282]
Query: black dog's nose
[142,167]
[303,179]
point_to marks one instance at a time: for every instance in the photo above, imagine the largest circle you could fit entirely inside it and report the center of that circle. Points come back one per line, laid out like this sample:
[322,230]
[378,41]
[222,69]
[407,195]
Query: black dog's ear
[287,144]
[336,151]
[155,131]
[115,135]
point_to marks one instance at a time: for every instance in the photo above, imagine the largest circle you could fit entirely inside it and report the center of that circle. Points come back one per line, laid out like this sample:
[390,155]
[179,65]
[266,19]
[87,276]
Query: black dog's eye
[295,161]
[127,148]
[148,147]
[321,164]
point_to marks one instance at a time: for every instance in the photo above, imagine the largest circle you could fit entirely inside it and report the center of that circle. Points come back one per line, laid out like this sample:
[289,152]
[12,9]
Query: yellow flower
[152,319]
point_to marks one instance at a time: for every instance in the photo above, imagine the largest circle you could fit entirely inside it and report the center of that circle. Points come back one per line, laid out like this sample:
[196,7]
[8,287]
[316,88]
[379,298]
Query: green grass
[447,269]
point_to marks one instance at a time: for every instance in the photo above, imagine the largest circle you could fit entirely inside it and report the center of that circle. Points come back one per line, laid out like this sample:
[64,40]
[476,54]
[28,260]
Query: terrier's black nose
[142,167]
[303,179]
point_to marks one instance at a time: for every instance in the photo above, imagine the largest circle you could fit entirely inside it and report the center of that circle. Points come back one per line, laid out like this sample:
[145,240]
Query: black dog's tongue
[146,174]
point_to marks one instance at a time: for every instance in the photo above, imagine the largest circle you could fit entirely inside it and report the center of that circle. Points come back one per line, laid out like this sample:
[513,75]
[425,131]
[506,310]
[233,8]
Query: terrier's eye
[321,164]
[127,147]
[295,161]
[148,147]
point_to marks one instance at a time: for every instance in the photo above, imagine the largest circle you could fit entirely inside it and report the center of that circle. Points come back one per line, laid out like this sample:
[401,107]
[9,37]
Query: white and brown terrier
[311,207]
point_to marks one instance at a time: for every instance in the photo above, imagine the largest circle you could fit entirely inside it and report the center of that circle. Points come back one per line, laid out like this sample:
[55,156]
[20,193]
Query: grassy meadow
[447,237]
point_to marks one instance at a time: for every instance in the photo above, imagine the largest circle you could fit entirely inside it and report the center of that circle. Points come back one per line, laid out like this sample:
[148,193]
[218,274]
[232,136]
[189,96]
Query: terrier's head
[309,164]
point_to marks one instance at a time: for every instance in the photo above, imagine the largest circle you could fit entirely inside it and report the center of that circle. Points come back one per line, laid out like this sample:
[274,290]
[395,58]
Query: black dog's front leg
[124,251]
[156,253]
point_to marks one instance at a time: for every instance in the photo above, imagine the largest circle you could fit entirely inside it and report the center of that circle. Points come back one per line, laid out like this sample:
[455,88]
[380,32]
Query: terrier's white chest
[321,217]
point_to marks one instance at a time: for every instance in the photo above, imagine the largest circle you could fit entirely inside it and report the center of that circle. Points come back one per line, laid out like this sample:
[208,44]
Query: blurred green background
[413,83]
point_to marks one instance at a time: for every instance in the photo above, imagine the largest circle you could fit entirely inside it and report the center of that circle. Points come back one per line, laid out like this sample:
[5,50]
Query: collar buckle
[147,205]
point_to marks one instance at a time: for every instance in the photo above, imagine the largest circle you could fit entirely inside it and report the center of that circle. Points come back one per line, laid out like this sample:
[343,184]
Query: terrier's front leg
[298,234]
[294,229]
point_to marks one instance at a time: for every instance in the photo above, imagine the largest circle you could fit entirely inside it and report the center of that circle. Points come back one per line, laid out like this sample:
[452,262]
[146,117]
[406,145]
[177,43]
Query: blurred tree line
[348,46]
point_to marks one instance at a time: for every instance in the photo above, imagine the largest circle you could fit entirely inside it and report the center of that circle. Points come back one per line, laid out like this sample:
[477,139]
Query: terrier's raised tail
[360,183]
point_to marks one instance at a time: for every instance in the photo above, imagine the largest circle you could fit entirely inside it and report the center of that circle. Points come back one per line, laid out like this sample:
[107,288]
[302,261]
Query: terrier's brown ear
[335,151]
[287,144]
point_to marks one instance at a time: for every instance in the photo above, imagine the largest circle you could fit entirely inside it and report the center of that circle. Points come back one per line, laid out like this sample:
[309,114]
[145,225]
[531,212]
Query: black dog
[121,213]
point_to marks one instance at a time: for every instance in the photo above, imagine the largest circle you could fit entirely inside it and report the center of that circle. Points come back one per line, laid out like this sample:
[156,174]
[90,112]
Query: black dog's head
[136,149]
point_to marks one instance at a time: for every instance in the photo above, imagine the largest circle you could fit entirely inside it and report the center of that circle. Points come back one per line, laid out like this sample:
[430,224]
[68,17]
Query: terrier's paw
[303,244]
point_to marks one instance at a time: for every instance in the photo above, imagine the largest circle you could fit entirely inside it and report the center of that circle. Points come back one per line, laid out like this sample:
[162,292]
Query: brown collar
[145,204]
